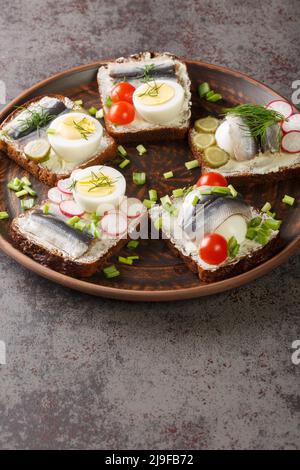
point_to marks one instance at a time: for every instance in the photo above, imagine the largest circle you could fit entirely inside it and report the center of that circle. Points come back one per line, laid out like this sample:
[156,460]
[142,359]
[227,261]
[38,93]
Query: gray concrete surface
[84,372]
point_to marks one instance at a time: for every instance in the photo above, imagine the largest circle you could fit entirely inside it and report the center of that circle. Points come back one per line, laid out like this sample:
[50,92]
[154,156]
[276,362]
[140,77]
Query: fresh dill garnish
[257,118]
[36,119]
[152,90]
[101,181]
[82,130]
[147,75]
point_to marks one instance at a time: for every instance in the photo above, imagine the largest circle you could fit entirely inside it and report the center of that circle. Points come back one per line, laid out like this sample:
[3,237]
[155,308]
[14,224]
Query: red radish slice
[114,224]
[56,196]
[282,107]
[54,209]
[132,207]
[70,209]
[291,142]
[65,185]
[292,124]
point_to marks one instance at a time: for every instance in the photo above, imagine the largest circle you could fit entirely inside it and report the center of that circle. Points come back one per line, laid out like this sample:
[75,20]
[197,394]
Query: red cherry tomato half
[123,91]
[213,249]
[121,113]
[212,178]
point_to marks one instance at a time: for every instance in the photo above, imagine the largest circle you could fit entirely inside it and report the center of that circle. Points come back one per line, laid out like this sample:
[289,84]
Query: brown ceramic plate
[158,275]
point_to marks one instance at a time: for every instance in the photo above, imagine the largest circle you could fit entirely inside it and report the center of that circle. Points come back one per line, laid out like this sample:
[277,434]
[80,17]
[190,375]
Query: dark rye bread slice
[243,179]
[151,133]
[44,174]
[54,258]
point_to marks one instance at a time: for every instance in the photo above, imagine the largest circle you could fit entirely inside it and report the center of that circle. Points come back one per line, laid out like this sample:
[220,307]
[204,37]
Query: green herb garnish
[152,90]
[147,75]
[101,181]
[36,119]
[82,130]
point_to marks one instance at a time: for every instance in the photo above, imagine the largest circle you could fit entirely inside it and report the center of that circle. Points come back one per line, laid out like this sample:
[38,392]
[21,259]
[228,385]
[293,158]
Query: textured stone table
[84,372]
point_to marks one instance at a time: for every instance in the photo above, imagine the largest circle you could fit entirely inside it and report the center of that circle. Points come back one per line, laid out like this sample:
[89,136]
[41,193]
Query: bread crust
[44,174]
[245,178]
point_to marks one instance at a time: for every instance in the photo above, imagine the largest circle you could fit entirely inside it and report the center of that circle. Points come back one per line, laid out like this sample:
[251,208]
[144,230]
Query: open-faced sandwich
[50,136]
[249,143]
[214,230]
[145,97]
[85,220]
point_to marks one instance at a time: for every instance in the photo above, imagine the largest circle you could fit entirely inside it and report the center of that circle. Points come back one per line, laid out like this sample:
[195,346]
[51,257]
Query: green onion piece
[195,201]
[232,247]
[147,203]
[139,178]
[141,149]
[95,232]
[205,191]
[209,94]
[111,272]
[169,208]
[13,187]
[203,89]
[233,191]
[255,222]
[191,164]
[78,102]
[289,200]
[251,233]
[214,97]
[220,190]
[95,217]
[178,192]
[21,193]
[122,151]
[133,257]
[271,214]
[27,204]
[168,174]
[46,209]
[235,251]
[108,102]
[261,237]
[79,225]
[124,163]
[123,260]
[272,224]
[93,111]
[109,269]
[132,244]
[153,195]
[73,220]
[158,224]
[30,191]
[267,207]
[165,200]
[4,215]
[50,131]
[99,114]
[26,181]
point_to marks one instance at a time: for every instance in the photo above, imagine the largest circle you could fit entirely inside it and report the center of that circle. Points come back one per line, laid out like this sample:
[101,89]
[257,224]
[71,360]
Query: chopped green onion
[27,204]
[220,190]
[50,131]
[95,217]
[214,97]
[233,247]
[111,272]
[147,203]
[46,209]
[108,102]
[251,233]
[205,191]
[78,102]
[73,220]
[203,89]
[190,165]
[272,224]
[153,195]
[158,224]
[123,260]
[109,269]
[95,232]
[289,200]
[132,244]
[13,186]
[79,225]
[233,191]
[135,257]
[21,193]
[261,237]
[255,222]
[4,215]
[139,178]
[165,200]
[141,149]
[93,111]
[124,163]
[30,191]
[178,192]
[168,174]
[122,151]
[271,214]
[99,114]
[267,207]
[25,181]
[195,201]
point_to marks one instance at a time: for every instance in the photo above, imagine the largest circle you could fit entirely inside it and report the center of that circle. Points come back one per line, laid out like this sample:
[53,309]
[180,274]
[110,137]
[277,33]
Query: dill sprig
[257,118]
[36,119]
[82,130]
[147,75]
[101,181]
[152,90]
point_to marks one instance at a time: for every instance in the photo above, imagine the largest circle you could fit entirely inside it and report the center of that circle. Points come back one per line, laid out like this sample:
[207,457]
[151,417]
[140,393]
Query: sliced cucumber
[37,150]
[215,157]
[208,124]
[204,140]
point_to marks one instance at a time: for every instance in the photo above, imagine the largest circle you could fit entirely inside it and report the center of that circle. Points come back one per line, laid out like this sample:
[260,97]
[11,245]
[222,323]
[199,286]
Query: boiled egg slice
[98,188]
[159,101]
[234,226]
[75,137]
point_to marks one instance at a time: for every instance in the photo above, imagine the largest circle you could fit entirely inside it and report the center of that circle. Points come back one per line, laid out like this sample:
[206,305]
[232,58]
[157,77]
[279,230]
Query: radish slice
[132,207]
[54,209]
[282,107]
[65,185]
[291,142]
[70,209]
[114,224]
[56,196]
[292,124]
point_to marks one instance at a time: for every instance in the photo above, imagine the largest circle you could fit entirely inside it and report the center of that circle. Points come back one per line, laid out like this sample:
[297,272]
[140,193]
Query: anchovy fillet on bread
[132,69]
[13,140]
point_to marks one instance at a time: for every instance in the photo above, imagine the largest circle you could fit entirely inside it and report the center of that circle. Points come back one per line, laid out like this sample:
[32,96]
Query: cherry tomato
[123,91]
[121,113]
[213,249]
[212,178]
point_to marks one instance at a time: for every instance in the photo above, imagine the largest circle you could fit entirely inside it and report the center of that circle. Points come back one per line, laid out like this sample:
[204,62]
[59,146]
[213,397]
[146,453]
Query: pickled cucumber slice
[37,150]
[215,157]
[202,140]
[208,124]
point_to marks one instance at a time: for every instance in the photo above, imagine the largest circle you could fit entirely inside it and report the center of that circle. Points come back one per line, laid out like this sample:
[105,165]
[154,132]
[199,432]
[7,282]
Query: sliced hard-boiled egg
[98,188]
[75,137]
[223,137]
[159,101]
[234,226]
